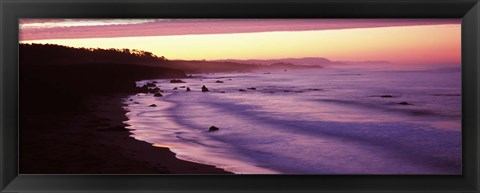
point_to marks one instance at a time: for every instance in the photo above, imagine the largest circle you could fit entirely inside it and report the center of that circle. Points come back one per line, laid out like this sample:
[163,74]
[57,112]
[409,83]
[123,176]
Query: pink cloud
[35,29]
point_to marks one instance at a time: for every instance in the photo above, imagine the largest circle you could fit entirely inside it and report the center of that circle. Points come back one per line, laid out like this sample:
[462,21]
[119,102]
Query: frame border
[12,10]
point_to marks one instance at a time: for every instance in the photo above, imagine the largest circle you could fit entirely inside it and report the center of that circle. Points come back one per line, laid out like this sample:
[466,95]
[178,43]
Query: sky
[400,41]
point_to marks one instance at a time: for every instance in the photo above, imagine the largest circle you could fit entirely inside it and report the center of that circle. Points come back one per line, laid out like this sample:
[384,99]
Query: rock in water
[154,90]
[151,84]
[152,105]
[175,88]
[204,89]
[158,95]
[188,89]
[242,90]
[218,81]
[177,81]
[252,88]
[143,89]
[213,128]
[404,103]
[386,96]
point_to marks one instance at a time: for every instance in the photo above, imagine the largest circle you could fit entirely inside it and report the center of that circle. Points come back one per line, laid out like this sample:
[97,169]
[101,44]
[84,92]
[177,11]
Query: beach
[130,112]
[72,114]
[324,121]
[95,141]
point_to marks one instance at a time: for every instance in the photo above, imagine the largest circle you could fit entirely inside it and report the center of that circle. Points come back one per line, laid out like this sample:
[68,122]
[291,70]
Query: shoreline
[95,141]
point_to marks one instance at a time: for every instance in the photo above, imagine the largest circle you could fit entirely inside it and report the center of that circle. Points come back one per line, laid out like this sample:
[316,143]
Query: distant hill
[367,62]
[229,66]
[51,54]
[198,66]
[307,61]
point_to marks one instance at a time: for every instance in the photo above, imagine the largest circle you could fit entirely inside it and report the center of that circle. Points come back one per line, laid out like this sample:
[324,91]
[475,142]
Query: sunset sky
[400,41]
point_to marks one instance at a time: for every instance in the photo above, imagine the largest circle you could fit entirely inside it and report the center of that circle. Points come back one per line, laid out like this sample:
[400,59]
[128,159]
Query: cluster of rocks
[151,84]
[150,87]
[147,89]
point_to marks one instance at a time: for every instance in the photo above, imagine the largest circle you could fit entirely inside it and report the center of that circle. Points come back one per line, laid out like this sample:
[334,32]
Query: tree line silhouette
[58,54]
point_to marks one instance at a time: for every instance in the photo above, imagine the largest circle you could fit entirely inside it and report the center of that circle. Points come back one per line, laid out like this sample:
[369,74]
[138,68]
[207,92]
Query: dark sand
[94,141]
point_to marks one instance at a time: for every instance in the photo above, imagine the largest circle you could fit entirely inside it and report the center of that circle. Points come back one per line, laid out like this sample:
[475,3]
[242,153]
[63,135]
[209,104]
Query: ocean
[316,121]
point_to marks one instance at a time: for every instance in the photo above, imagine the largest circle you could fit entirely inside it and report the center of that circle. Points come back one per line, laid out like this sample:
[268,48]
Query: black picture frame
[12,10]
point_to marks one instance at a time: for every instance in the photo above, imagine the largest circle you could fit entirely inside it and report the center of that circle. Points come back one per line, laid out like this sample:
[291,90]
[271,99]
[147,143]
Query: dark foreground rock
[151,84]
[152,105]
[142,89]
[177,81]
[204,89]
[404,103]
[154,90]
[188,89]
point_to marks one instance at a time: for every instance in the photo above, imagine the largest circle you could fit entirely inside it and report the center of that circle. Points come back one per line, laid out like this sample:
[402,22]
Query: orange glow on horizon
[428,44]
